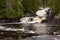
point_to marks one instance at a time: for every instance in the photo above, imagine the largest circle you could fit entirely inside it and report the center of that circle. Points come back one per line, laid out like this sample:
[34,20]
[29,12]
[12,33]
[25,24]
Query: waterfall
[42,14]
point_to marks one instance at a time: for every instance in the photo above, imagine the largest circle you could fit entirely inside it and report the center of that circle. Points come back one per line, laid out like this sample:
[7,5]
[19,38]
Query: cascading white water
[41,15]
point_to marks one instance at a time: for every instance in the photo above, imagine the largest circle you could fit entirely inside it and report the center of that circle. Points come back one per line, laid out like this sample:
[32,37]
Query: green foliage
[11,9]
[15,8]
[54,4]
[2,8]
[30,5]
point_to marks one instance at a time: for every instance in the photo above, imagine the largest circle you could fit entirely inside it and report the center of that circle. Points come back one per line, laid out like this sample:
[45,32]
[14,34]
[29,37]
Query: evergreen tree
[14,9]
[11,9]
[30,5]
[2,8]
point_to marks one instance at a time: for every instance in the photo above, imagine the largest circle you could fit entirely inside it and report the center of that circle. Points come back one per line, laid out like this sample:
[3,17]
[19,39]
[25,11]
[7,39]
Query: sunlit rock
[37,19]
[57,16]
[44,13]
[41,13]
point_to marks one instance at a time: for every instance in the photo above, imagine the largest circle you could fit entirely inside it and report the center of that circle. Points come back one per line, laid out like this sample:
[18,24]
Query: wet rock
[28,38]
[9,38]
[43,37]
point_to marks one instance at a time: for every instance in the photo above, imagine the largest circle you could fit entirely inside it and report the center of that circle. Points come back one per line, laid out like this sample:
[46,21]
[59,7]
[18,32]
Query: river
[42,32]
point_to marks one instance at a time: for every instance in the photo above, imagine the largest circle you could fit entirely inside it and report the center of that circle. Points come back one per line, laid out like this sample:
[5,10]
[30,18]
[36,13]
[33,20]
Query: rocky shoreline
[40,37]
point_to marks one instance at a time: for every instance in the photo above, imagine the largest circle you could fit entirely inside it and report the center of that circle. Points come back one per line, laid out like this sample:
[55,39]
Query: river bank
[41,37]
[53,21]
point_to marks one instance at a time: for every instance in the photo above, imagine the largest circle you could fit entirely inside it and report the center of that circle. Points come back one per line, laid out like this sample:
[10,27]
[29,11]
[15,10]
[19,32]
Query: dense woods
[11,9]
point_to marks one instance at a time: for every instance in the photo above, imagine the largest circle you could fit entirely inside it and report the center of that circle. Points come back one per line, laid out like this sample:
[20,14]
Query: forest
[15,9]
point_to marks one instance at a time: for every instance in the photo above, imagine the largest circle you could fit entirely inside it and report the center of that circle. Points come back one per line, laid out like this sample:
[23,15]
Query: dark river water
[42,32]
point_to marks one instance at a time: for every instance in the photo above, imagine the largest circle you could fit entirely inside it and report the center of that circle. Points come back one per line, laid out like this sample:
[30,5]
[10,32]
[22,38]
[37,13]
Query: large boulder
[41,13]
[45,13]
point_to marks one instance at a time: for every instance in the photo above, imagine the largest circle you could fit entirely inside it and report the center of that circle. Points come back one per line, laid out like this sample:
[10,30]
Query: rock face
[41,13]
[57,16]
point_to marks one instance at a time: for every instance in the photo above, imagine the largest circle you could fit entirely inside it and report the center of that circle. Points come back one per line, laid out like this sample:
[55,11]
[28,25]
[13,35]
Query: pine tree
[2,8]
[14,9]
[31,5]
[11,9]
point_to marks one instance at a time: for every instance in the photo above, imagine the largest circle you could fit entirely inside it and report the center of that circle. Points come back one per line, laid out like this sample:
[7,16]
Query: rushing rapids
[31,28]
[42,14]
